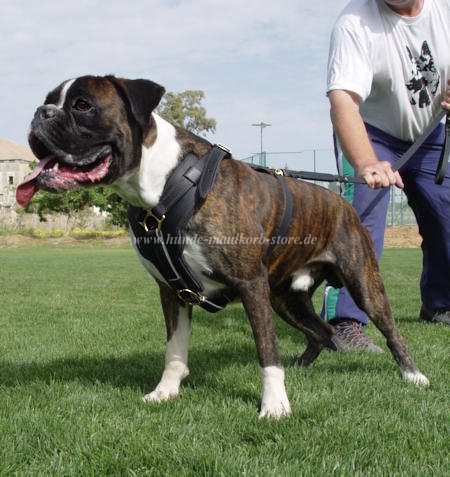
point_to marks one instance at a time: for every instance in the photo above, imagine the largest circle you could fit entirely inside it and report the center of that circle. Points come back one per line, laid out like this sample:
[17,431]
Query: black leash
[318,176]
[440,171]
[420,140]
[445,154]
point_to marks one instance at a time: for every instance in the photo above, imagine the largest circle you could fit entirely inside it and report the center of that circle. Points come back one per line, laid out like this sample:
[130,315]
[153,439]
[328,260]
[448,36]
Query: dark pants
[430,204]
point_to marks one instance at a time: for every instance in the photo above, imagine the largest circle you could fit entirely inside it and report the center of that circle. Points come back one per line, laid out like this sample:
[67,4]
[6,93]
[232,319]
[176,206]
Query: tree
[182,109]
[185,110]
[73,204]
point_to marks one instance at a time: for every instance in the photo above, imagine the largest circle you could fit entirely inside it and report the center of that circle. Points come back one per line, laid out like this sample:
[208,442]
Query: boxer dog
[103,130]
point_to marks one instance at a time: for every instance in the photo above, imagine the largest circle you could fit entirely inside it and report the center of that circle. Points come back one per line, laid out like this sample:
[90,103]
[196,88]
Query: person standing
[388,77]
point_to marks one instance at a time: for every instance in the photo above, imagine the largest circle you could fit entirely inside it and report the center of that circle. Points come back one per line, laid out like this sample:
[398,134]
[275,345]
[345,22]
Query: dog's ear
[142,96]
[409,53]
[426,49]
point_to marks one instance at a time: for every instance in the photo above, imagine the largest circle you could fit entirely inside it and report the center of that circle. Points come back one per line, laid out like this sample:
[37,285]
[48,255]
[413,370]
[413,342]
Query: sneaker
[440,315]
[350,336]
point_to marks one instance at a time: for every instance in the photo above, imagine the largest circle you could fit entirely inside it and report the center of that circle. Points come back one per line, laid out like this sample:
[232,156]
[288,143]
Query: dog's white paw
[274,400]
[161,394]
[169,385]
[416,378]
[275,410]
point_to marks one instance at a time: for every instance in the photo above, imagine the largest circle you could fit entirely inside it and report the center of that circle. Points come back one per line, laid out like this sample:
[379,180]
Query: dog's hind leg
[255,298]
[365,285]
[178,324]
[296,308]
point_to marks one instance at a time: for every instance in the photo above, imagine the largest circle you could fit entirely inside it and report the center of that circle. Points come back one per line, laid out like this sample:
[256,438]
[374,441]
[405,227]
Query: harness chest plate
[160,232]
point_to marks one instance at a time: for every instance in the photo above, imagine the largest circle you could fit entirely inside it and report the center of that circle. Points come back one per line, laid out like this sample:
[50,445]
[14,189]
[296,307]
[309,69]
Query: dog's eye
[82,105]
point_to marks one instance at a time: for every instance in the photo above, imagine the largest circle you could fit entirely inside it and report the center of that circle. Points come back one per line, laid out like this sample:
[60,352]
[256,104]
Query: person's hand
[379,174]
[446,102]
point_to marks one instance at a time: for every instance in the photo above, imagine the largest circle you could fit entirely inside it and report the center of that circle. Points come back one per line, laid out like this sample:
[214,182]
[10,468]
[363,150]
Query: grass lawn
[82,339]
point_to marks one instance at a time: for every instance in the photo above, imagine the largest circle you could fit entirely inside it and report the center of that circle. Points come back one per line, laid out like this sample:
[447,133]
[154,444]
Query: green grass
[82,339]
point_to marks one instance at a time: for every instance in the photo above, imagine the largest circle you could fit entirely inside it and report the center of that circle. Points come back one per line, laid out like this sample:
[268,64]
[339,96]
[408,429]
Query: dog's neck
[143,186]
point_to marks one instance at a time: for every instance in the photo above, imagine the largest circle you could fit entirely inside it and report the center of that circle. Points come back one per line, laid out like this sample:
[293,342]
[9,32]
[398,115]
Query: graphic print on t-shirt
[425,77]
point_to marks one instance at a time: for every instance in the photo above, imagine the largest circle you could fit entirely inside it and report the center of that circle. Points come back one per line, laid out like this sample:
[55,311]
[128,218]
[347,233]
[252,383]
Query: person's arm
[355,144]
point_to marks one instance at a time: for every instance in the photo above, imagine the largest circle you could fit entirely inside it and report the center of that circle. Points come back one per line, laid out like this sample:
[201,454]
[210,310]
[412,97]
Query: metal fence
[399,212]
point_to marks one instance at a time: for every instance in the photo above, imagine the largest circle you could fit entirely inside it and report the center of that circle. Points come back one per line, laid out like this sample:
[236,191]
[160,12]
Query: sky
[255,60]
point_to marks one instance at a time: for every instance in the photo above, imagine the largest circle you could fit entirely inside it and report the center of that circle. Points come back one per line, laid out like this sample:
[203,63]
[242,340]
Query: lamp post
[262,125]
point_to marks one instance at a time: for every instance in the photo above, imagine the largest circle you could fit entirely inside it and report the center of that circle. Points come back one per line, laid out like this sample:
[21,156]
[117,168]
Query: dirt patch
[395,237]
[16,241]
[402,237]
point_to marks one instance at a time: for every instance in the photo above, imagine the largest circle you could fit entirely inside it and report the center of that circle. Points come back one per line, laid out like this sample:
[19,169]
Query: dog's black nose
[46,112]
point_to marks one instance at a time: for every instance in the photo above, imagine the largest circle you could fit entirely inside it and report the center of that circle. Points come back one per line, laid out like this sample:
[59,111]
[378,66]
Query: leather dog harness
[160,233]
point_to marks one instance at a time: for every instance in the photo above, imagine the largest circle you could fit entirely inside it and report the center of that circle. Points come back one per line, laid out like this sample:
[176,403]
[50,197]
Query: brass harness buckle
[151,215]
[189,297]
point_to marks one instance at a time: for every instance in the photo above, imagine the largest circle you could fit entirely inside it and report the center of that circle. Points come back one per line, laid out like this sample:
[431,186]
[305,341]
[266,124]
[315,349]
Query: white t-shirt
[398,66]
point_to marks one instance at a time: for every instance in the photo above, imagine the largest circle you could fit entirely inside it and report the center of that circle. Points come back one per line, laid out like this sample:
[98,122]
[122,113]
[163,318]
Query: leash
[420,140]
[315,176]
[324,177]
[445,154]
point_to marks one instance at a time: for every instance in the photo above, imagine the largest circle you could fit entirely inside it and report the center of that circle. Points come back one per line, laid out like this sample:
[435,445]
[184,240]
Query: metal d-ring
[189,297]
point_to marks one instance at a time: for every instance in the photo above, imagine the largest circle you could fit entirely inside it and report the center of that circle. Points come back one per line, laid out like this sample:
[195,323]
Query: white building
[15,162]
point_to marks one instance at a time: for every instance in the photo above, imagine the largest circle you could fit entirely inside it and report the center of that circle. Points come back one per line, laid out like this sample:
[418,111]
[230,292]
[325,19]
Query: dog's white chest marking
[143,187]
[157,161]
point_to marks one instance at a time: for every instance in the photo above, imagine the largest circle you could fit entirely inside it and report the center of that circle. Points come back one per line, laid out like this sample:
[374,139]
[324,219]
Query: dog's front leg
[178,324]
[274,400]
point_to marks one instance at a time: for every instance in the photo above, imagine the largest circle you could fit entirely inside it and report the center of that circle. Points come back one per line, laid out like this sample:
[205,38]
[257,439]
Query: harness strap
[183,179]
[287,215]
[210,170]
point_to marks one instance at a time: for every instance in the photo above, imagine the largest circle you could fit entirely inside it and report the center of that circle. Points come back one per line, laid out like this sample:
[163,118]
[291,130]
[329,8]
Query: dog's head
[90,130]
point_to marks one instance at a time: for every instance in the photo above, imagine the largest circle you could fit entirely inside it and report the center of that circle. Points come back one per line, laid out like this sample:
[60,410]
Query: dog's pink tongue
[27,188]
